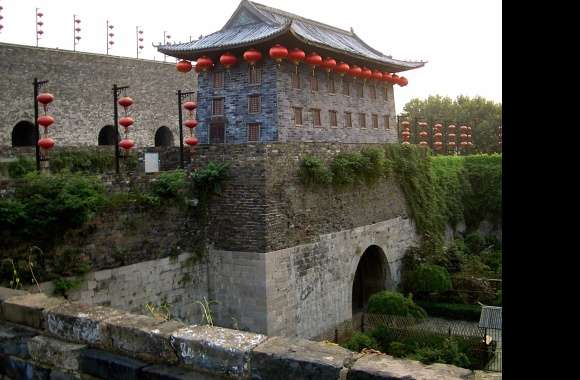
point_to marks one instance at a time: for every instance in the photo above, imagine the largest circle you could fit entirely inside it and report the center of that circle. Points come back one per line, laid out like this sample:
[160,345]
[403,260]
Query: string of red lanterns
[45,143]
[423,135]
[279,53]
[1,17]
[451,141]
[438,137]
[139,40]
[126,122]
[110,36]
[406,134]
[191,123]
[76,31]
[39,24]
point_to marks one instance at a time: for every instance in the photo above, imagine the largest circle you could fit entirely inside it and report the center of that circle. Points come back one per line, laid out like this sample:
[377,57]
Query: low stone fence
[43,337]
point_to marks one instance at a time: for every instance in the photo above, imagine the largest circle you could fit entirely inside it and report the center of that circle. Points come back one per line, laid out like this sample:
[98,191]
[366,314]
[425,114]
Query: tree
[484,116]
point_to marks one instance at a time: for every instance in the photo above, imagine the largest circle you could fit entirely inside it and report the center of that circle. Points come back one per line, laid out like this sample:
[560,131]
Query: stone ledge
[294,358]
[28,309]
[55,353]
[104,365]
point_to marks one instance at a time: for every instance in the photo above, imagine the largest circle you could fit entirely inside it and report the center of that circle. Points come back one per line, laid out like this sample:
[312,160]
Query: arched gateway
[372,275]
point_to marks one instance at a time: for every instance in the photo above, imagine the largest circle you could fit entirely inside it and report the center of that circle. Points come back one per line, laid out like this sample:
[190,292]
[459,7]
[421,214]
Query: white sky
[460,39]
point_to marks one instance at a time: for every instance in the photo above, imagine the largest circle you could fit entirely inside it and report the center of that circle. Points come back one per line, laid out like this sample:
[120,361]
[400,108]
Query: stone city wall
[51,338]
[82,85]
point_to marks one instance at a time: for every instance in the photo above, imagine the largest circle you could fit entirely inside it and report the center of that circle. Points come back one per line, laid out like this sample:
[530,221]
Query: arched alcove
[163,137]
[107,135]
[372,276]
[23,134]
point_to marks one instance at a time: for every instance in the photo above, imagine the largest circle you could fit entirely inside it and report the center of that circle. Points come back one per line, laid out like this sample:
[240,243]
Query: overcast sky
[460,39]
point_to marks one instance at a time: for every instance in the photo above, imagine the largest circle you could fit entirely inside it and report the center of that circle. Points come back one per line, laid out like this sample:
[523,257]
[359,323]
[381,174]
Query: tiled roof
[253,22]
[490,317]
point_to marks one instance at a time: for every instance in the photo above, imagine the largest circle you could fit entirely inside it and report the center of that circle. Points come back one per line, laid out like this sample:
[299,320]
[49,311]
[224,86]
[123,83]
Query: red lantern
[252,56]
[403,81]
[395,79]
[355,71]
[228,60]
[126,101]
[406,133]
[45,98]
[377,75]
[278,53]
[314,60]
[190,105]
[191,141]
[437,136]
[203,63]
[438,145]
[388,77]
[342,68]
[45,120]
[296,56]
[190,123]
[46,143]
[126,121]
[366,73]
[184,66]
[127,144]
[329,64]
[423,134]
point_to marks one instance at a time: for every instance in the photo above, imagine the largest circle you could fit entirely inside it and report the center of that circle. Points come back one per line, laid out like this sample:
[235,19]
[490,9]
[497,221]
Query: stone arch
[163,137]
[107,135]
[372,275]
[23,134]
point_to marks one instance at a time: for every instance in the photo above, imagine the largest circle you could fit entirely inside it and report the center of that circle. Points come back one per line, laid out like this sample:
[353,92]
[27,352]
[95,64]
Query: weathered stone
[383,367]
[15,368]
[104,365]
[14,339]
[28,309]
[143,337]
[80,323]
[58,375]
[216,349]
[161,372]
[55,353]
[6,293]
[485,375]
[298,359]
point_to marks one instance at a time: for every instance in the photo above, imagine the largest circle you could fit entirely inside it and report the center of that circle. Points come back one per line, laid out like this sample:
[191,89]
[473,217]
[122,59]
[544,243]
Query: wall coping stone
[201,352]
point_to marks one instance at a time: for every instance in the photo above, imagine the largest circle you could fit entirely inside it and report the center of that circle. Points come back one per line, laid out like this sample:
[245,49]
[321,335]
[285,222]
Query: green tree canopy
[482,115]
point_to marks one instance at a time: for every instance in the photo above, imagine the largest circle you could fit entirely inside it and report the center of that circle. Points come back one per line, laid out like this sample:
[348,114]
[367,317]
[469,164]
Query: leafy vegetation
[451,310]
[393,303]
[484,116]
[429,278]
[359,341]
[63,285]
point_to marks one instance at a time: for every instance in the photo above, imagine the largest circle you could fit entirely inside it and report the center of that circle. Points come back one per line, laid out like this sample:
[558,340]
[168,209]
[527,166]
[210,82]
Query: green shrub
[393,303]
[63,285]
[169,184]
[359,340]
[451,310]
[448,352]
[313,172]
[484,201]
[209,180]
[428,278]
[20,167]
[475,243]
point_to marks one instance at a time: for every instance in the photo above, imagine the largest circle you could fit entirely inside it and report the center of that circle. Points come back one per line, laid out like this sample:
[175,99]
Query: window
[348,119]
[315,117]
[253,132]
[332,117]
[295,79]
[331,85]
[218,79]
[218,107]
[387,121]
[373,91]
[360,90]
[254,104]
[297,116]
[362,120]
[386,93]
[255,75]
[375,119]
[314,83]
[216,133]
[345,87]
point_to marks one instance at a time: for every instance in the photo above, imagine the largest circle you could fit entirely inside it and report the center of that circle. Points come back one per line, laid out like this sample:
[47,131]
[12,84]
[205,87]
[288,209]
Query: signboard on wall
[151,162]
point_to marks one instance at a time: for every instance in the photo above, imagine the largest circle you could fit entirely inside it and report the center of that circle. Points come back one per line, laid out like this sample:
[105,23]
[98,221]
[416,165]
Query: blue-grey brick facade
[278,98]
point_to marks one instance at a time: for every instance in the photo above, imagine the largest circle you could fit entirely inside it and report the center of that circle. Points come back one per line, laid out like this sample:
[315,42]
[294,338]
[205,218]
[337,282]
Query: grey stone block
[298,359]
[15,368]
[383,367]
[105,365]
[55,353]
[216,349]
[81,323]
[161,372]
[58,375]
[143,337]
[14,339]
[28,309]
